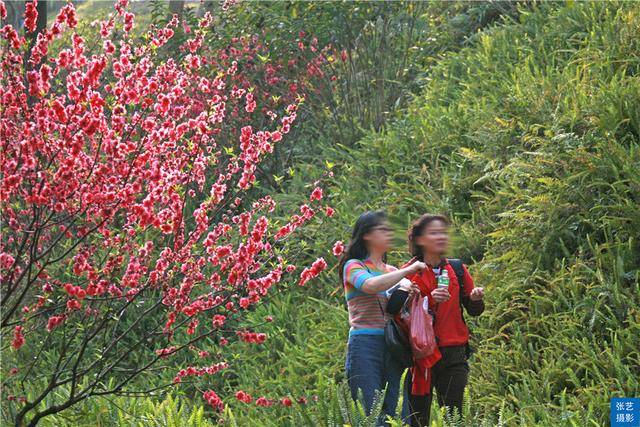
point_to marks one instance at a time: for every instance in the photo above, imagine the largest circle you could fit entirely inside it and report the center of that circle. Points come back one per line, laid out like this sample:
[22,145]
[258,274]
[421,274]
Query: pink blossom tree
[131,228]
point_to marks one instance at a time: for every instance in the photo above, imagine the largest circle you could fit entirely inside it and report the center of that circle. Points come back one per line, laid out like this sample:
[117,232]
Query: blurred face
[379,238]
[434,238]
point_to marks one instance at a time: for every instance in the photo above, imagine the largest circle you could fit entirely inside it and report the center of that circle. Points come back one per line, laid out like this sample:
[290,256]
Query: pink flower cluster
[165,352]
[309,273]
[54,322]
[18,338]
[198,372]
[252,337]
[263,401]
[316,194]
[213,399]
[306,213]
[113,143]
[244,396]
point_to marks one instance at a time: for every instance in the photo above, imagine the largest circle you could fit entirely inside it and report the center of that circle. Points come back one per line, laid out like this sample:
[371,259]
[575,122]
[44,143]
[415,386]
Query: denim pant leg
[369,368]
[392,376]
[365,367]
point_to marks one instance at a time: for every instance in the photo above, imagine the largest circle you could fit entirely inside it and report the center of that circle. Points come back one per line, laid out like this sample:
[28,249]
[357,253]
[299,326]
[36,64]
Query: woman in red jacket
[428,242]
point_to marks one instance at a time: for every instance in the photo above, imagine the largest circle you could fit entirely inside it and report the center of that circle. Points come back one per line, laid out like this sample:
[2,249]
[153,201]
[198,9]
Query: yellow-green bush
[530,141]
[529,138]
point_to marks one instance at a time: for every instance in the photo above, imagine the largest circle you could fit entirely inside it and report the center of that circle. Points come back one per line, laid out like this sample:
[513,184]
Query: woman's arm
[474,308]
[375,284]
[472,297]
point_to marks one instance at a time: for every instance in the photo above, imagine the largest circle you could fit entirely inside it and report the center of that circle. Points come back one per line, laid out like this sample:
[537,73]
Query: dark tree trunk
[41,23]
[176,7]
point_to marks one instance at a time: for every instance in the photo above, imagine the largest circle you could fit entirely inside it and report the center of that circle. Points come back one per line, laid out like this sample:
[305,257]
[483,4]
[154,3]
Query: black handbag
[397,343]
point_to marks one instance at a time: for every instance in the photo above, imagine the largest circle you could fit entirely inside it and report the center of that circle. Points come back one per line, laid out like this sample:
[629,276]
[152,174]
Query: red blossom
[31,15]
[116,145]
[18,338]
[164,352]
[244,397]
[128,21]
[218,321]
[338,248]
[286,401]
[309,273]
[316,194]
[54,322]
[73,304]
[212,398]
[263,401]
[252,337]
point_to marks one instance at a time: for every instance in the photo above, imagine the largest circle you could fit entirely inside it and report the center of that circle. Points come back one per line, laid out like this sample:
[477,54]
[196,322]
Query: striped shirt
[366,315]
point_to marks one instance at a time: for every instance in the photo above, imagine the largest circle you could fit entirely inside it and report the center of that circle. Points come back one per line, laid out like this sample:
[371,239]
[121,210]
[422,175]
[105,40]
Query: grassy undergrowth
[529,139]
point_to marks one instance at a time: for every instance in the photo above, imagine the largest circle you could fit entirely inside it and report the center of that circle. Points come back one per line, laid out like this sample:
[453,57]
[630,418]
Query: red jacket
[449,327]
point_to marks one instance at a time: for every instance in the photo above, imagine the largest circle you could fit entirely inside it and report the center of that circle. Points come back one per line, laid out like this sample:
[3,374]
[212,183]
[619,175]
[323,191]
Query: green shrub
[529,138]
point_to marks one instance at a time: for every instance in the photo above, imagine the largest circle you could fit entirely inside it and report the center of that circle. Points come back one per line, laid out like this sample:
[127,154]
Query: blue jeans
[369,368]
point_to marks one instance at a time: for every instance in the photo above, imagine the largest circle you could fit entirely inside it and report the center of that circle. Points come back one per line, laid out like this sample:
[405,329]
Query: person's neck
[376,258]
[432,259]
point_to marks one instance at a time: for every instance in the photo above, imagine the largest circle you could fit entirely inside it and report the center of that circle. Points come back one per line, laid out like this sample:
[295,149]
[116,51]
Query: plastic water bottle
[443,279]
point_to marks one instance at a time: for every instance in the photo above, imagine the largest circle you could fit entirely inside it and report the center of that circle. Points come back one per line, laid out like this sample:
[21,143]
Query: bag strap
[458,267]
[380,305]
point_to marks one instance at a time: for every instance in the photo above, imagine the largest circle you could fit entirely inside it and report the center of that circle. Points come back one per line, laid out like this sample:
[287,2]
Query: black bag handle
[458,267]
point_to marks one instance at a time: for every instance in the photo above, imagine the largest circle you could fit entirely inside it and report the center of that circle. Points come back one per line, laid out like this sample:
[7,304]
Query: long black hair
[357,248]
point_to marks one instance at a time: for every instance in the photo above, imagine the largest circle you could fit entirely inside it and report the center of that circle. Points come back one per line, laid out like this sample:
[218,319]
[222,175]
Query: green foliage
[389,50]
[521,141]
[529,138]
[128,411]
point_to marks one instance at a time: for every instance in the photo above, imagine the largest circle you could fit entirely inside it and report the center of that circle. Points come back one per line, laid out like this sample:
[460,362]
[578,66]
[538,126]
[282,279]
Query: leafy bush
[529,140]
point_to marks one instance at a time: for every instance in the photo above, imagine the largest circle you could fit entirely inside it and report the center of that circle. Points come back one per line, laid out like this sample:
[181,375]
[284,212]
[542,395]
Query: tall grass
[530,141]
[529,138]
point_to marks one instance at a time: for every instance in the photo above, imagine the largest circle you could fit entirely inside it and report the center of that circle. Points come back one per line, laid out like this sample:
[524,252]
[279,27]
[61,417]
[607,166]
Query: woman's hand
[440,295]
[476,294]
[416,267]
[408,286]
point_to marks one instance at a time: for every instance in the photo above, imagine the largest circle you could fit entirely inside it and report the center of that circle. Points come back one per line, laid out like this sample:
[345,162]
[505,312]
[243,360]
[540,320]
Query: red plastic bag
[423,337]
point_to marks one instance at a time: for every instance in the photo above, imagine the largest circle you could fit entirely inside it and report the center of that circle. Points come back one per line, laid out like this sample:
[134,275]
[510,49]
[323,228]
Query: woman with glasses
[367,278]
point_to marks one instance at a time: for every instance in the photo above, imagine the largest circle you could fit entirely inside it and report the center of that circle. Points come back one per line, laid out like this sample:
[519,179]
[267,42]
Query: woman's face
[434,238]
[379,238]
